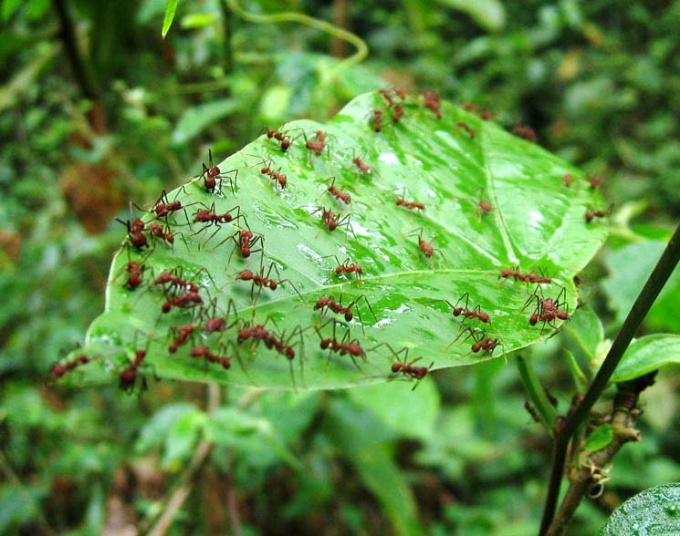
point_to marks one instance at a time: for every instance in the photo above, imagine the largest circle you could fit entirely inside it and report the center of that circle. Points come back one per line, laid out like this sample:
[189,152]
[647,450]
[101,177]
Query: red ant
[377,120]
[135,271]
[271,341]
[262,281]
[363,167]
[176,282]
[330,303]
[389,102]
[276,175]
[331,220]
[246,240]
[215,323]
[467,128]
[136,233]
[318,144]
[60,369]
[534,278]
[424,246]
[210,218]
[166,207]
[467,312]
[514,273]
[346,268]
[592,214]
[183,301]
[567,179]
[202,351]
[398,113]
[547,310]
[183,334]
[212,173]
[339,194]
[485,206]
[595,181]
[129,375]
[280,137]
[433,103]
[157,231]
[484,343]
[406,368]
[532,411]
[411,205]
[527,133]
[344,346]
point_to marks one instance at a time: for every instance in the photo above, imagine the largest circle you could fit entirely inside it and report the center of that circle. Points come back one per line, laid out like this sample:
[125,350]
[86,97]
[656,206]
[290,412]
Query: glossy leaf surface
[490,202]
[647,354]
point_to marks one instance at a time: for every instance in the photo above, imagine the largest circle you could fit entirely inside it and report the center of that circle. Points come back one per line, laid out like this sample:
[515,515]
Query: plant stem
[662,271]
[534,389]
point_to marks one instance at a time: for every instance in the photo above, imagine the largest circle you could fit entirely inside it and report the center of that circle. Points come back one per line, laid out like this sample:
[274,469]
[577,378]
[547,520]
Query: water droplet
[672,509]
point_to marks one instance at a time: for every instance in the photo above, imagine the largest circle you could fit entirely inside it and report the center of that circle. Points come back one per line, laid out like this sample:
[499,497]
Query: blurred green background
[97,109]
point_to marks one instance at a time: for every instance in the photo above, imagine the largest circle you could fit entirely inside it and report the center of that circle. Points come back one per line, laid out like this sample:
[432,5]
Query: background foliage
[459,454]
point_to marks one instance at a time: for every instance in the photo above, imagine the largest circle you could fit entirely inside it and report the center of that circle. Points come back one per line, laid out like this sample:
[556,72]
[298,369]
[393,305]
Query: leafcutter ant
[344,346]
[212,174]
[525,132]
[467,128]
[60,369]
[547,310]
[339,194]
[433,103]
[466,312]
[406,368]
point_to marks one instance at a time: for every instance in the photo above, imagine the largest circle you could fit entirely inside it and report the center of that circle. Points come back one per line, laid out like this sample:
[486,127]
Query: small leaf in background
[646,354]
[489,14]
[154,432]
[170,11]
[196,119]
[599,438]
[654,511]
[629,267]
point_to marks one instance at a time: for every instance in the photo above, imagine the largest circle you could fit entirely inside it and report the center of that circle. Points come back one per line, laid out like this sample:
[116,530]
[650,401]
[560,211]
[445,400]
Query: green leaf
[412,261]
[599,438]
[158,427]
[196,119]
[647,354]
[364,441]
[654,511]
[586,329]
[629,267]
[489,14]
[170,11]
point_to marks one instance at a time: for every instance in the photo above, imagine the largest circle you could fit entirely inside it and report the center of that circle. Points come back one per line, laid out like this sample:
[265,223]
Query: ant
[246,240]
[210,218]
[183,301]
[215,323]
[136,234]
[592,214]
[484,343]
[406,368]
[271,341]
[467,128]
[527,133]
[344,346]
[385,93]
[157,231]
[485,206]
[128,376]
[433,103]
[595,181]
[337,308]
[398,113]
[535,278]
[377,120]
[339,194]
[532,411]
[424,246]
[164,207]
[212,173]
[176,282]
[346,268]
[276,175]
[467,312]
[567,179]
[202,351]
[359,163]
[514,273]
[60,369]
[331,220]
[280,137]
[547,310]
[318,144]
[135,271]
[411,205]
[183,334]
[263,281]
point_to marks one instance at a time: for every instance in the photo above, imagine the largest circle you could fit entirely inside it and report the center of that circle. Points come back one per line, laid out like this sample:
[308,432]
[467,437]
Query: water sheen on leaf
[492,202]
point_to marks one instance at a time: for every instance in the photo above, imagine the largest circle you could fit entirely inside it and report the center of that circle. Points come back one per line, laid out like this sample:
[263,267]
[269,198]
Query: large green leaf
[492,202]
[654,511]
